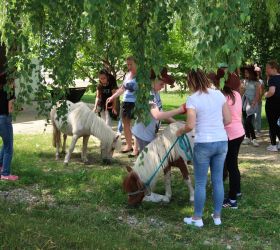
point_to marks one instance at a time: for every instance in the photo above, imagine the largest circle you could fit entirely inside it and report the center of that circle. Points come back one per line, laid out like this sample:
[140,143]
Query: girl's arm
[190,123]
[114,102]
[226,114]
[96,100]
[119,92]
[258,94]
[161,115]
[11,106]
[270,92]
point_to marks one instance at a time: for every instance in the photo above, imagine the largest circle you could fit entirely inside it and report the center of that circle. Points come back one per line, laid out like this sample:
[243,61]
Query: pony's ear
[129,169]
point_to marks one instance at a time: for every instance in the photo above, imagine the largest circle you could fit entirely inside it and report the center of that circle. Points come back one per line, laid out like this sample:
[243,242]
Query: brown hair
[198,81]
[131,58]
[274,65]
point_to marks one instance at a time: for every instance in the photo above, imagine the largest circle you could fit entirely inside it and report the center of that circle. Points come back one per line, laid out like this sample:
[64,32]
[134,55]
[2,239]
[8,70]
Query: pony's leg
[71,149]
[191,190]
[154,197]
[84,150]
[64,144]
[167,184]
[57,151]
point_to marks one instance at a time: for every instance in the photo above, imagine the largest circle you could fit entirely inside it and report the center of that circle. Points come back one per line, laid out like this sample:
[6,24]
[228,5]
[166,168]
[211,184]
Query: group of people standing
[143,134]
[216,115]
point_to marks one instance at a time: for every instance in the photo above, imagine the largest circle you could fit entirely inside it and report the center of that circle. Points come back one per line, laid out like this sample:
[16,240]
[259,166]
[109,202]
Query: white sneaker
[246,141]
[255,143]
[190,221]
[217,221]
[272,148]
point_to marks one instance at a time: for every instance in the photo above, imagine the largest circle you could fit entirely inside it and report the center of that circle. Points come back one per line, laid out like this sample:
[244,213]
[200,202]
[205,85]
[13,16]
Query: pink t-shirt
[235,128]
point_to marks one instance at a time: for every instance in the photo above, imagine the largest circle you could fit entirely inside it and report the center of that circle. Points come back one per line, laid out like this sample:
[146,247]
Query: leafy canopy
[75,38]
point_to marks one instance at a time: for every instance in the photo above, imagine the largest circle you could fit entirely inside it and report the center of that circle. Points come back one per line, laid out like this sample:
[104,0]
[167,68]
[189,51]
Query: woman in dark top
[272,105]
[6,129]
[107,87]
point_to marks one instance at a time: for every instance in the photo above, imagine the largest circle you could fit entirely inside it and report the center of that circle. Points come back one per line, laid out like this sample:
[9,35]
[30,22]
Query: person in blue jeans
[207,113]
[6,129]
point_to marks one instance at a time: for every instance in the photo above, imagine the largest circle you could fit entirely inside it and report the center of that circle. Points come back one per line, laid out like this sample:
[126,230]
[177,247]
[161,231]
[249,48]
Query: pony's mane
[100,129]
[151,156]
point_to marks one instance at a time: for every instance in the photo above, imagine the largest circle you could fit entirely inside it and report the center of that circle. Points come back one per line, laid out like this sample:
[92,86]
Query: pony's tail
[56,132]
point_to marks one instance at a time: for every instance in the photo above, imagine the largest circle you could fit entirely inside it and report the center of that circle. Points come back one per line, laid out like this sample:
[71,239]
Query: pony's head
[134,187]
[108,150]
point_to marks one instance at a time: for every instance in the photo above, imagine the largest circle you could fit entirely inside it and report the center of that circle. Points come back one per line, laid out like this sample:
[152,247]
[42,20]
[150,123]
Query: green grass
[83,206]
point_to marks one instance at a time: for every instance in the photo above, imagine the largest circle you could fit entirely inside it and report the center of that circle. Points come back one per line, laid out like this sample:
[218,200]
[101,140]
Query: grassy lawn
[83,206]
[80,206]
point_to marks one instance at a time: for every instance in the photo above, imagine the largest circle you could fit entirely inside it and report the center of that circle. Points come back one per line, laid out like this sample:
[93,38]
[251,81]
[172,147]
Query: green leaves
[76,38]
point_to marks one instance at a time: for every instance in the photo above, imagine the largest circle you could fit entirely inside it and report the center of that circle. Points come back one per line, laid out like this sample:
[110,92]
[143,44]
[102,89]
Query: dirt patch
[27,196]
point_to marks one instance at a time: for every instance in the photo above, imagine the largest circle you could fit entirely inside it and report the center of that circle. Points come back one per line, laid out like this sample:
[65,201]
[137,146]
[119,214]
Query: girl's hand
[114,111]
[183,108]
[109,100]
[180,131]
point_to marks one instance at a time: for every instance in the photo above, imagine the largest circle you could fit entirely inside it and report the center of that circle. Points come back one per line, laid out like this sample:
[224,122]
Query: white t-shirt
[209,125]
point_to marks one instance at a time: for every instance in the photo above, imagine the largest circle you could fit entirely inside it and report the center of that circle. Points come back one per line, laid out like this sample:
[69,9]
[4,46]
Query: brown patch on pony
[129,169]
[180,163]
[132,183]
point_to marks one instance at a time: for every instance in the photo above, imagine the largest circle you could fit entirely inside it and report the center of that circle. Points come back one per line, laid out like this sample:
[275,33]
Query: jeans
[231,163]
[258,118]
[120,126]
[211,154]
[6,153]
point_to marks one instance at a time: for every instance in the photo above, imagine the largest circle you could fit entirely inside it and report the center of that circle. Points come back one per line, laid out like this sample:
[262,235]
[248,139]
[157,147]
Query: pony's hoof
[166,199]
[57,158]
[191,199]
[65,163]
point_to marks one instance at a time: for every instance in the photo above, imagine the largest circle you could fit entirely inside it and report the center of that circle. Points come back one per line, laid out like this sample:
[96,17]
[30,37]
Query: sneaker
[190,221]
[255,143]
[272,148]
[228,203]
[217,220]
[9,177]
[246,141]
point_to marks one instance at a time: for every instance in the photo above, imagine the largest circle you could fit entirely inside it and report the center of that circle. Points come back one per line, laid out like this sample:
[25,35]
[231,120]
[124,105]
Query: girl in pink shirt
[235,132]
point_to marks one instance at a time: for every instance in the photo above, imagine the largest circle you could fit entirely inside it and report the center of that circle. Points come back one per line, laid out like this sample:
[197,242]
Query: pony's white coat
[81,121]
[146,165]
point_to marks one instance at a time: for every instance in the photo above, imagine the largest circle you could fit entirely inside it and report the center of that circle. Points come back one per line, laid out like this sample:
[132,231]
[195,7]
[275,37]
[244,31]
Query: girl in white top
[207,112]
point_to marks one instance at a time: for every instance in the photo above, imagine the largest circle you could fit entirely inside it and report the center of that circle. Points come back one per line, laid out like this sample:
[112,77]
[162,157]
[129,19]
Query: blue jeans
[258,118]
[120,127]
[6,153]
[211,154]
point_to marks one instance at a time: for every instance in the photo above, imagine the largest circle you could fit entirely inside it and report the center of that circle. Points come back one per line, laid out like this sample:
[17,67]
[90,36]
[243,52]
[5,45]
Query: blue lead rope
[184,144]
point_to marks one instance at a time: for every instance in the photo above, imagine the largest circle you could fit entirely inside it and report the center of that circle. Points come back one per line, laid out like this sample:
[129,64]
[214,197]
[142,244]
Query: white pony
[81,121]
[139,181]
